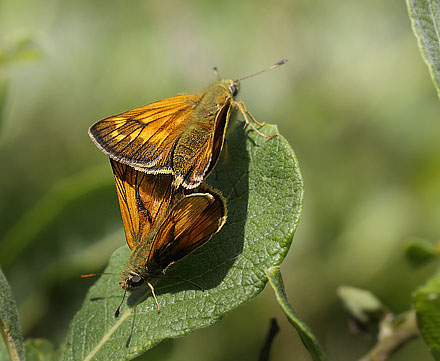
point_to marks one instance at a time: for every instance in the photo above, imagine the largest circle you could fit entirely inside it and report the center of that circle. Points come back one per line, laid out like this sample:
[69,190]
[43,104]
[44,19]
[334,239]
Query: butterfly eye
[135,281]
[234,89]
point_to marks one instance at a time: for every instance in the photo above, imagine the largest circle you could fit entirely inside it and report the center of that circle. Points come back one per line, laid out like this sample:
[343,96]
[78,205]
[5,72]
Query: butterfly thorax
[215,98]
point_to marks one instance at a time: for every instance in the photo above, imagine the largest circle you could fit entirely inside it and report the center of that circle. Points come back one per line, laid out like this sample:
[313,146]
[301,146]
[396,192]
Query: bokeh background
[355,101]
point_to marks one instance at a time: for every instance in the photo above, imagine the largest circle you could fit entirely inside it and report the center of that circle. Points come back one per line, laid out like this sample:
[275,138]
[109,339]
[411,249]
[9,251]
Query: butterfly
[182,135]
[162,224]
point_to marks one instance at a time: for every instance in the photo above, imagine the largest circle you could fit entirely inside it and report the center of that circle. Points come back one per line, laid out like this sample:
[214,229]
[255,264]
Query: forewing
[190,224]
[144,200]
[198,151]
[145,137]
[218,139]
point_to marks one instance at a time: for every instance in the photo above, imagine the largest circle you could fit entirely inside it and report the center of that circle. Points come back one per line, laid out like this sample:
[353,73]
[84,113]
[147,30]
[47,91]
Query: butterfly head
[232,86]
[219,95]
[128,283]
[131,281]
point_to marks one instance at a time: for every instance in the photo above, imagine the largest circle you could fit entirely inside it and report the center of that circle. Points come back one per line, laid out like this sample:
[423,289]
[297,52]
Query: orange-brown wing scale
[144,200]
[145,136]
[190,224]
[165,137]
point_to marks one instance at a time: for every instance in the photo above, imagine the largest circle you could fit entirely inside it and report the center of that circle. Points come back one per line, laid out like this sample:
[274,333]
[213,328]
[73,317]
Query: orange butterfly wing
[144,137]
[163,137]
[190,224]
[144,200]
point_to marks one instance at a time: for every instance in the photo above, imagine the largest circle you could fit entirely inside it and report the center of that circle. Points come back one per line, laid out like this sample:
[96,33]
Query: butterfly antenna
[118,310]
[99,274]
[276,65]
[182,279]
[216,72]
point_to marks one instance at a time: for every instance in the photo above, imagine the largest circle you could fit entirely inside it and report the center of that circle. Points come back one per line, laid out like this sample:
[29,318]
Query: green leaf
[4,355]
[362,304]
[22,49]
[9,325]
[3,94]
[427,306]
[307,337]
[261,180]
[420,251]
[425,20]
[23,232]
[39,350]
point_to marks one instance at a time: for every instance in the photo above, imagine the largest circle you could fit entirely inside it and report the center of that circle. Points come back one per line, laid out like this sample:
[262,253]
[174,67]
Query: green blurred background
[355,102]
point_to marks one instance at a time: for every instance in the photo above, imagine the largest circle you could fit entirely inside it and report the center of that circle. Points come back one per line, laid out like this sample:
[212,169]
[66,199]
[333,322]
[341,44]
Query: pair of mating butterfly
[159,154]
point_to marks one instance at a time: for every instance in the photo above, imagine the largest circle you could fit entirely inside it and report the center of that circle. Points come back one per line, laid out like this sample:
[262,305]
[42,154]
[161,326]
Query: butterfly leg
[154,295]
[245,113]
[244,108]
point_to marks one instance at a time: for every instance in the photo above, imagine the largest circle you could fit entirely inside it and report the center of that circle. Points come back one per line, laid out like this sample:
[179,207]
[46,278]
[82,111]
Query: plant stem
[265,350]
[391,336]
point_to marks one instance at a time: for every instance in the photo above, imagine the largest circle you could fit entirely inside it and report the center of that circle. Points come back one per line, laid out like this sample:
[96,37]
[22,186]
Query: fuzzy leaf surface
[425,20]
[427,305]
[9,325]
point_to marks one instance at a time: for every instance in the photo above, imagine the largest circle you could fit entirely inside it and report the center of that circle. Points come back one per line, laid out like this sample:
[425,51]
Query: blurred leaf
[427,305]
[88,258]
[361,304]
[3,92]
[420,251]
[24,49]
[425,20]
[39,350]
[307,337]
[264,189]
[4,355]
[9,325]
[21,234]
